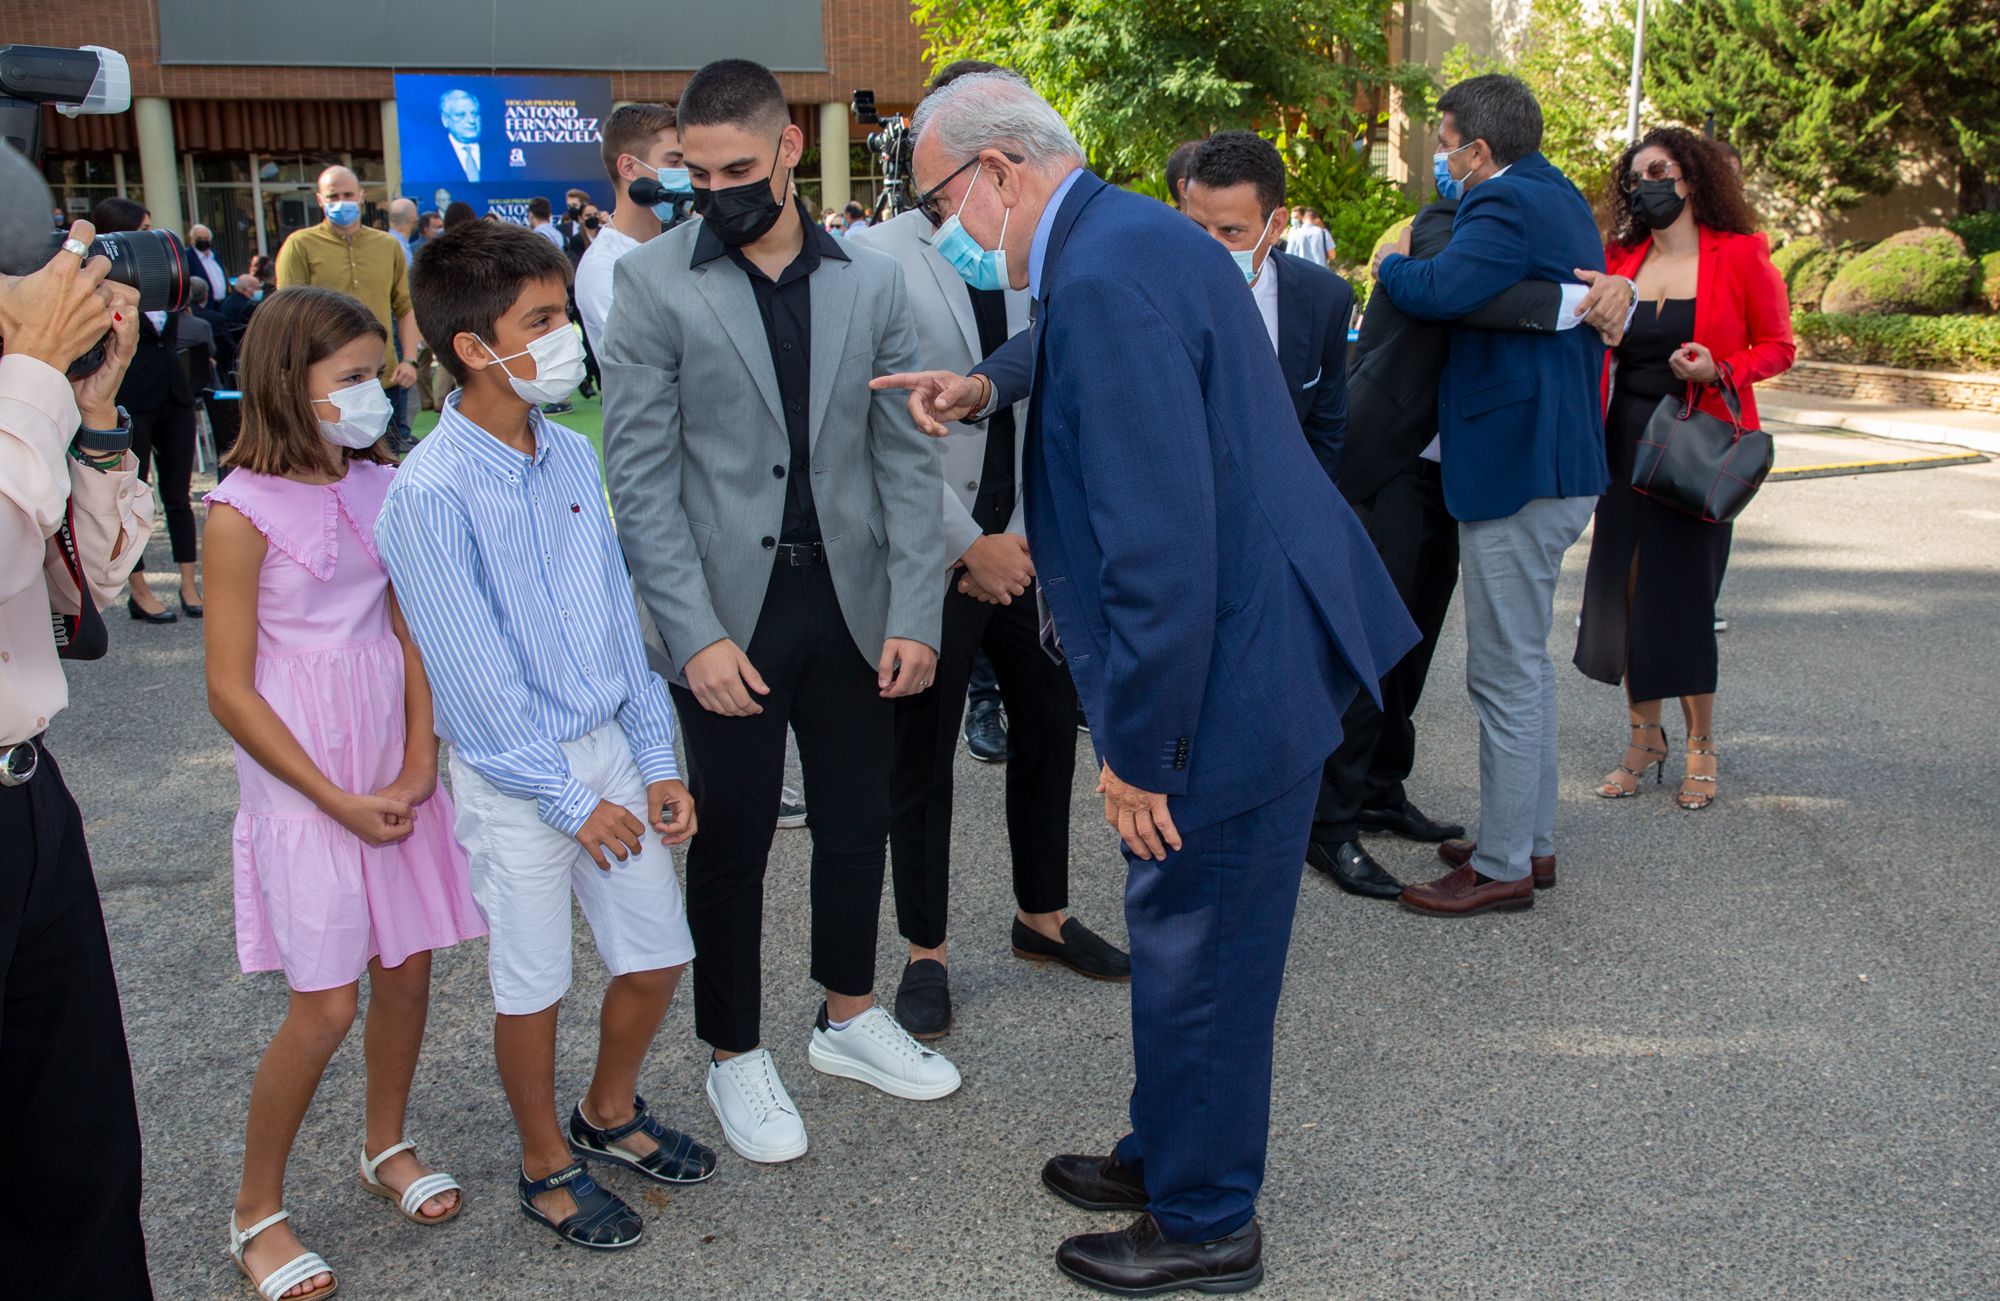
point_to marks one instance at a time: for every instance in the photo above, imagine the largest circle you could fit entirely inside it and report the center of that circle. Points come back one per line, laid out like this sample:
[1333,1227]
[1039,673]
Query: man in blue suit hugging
[1218,606]
[1522,456]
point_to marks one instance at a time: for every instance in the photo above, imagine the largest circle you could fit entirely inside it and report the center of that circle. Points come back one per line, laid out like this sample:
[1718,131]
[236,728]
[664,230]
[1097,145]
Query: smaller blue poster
[498,142]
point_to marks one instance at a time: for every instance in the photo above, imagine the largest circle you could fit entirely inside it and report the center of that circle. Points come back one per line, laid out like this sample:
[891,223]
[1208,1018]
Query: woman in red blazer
[1711,311]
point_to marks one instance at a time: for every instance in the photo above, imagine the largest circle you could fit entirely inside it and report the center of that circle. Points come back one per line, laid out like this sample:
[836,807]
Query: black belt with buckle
[800,555]
[18,763]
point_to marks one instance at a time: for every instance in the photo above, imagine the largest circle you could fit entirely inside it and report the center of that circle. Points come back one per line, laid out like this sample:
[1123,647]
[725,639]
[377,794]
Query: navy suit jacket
[1217,600]
[1314,307]
[1519,412]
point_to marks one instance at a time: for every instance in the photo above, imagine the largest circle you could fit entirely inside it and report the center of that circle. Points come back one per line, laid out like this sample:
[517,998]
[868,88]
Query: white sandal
[421,1189]
[299,1269]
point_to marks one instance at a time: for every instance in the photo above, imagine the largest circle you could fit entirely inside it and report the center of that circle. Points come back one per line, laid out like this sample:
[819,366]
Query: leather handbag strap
[1725,383]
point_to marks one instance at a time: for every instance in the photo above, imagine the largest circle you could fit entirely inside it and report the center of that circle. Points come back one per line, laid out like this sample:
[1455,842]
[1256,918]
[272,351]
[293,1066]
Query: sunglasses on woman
[1658,170]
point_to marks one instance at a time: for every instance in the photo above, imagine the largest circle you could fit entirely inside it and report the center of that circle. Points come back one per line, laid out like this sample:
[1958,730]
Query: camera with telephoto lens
[149,261]
[90,80]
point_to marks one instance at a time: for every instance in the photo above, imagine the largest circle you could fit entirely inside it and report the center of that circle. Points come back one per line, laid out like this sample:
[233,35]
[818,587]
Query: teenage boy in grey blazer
[781,522]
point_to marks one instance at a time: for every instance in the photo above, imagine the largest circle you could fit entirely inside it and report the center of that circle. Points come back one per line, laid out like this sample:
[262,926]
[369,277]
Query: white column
[118,174]
[835,182]
[392,151]
[153,123]
[257,202]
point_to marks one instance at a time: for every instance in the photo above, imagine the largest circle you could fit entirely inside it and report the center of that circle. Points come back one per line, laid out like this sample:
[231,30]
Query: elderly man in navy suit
[1522,444]
[1218,606]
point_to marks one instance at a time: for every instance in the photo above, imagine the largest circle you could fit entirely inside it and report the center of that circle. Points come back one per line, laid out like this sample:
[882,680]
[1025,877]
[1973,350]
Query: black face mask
[742,214]
[1655,205]
[201,246]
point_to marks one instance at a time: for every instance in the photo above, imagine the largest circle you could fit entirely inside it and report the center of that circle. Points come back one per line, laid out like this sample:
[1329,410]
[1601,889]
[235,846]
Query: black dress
[1663,643]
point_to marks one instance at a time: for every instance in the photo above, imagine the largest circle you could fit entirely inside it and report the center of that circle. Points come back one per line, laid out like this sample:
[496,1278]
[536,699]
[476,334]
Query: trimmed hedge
[1980,231]
[1923,271]
[1808,265]
[1988,289]
[1909,342]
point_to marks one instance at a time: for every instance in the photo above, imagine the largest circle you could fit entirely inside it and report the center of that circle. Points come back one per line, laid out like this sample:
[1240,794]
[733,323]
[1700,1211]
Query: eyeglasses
[1658,170]
[927,202]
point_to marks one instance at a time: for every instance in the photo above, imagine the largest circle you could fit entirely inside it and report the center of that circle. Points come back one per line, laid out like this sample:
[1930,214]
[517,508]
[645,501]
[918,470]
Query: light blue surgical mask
[1448,186]
[977,265]
[343,213]
[675,180]
[1246,259]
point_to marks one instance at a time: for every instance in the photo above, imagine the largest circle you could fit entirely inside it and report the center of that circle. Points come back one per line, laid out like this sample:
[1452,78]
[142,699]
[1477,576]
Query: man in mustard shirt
[341,253]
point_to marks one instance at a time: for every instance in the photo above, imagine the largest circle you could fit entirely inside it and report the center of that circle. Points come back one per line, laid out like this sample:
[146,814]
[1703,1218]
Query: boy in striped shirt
[503,558]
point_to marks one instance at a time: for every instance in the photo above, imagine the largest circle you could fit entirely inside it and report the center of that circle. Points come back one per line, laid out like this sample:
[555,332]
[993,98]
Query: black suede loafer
[1139,1260]
[1081,949]
[923,1000]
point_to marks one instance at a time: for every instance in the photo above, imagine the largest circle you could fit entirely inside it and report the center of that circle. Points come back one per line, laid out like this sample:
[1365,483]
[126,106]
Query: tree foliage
[1136,77]
[1577,60]
[1830,97]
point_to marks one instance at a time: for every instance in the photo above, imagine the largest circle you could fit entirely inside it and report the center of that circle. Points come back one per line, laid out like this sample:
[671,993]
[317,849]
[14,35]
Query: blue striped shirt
[513,584]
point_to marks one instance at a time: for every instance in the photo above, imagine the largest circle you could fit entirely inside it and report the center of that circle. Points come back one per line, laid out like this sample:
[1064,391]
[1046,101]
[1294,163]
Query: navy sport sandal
[677,1159]
[602,1222]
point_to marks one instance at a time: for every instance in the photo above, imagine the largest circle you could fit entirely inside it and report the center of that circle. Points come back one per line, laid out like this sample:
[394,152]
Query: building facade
[239,104]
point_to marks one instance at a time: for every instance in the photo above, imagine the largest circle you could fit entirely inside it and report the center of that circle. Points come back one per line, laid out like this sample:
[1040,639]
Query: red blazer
[1741,313]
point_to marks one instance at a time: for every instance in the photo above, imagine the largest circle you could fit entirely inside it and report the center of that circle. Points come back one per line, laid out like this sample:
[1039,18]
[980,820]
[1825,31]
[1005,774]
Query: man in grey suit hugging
[781,522]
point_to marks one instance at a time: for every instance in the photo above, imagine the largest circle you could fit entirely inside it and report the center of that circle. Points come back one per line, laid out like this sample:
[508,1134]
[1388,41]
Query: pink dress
[311,899]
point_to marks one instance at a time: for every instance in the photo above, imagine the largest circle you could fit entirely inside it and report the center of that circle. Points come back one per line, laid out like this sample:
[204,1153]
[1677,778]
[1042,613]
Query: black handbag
[1697,464]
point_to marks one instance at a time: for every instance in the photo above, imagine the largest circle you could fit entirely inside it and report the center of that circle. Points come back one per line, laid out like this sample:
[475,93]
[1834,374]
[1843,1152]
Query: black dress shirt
[786,306]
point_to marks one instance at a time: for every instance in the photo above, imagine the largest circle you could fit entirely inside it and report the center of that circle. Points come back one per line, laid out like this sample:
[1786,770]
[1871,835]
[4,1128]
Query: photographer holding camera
[73,521]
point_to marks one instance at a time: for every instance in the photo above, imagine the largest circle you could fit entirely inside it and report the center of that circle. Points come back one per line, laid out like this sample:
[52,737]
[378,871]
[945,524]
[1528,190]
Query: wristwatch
[95,447]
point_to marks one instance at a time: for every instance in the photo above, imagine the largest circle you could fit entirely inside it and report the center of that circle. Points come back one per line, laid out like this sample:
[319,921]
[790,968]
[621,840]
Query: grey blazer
[948,335]
[693,431]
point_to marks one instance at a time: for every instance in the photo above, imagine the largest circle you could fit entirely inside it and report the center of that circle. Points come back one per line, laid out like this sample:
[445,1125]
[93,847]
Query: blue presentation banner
[497,142]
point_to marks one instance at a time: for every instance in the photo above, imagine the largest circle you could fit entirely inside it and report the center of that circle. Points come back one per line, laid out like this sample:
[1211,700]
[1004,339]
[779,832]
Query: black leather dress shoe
[1081,949]
[1353,870]
[1139,1260]
[1095,1183]
[164,616]
[1409,822]
[986,732]
[923,1000]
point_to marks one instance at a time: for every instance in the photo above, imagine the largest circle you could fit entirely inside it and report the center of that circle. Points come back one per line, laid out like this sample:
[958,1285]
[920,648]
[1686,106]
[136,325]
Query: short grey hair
[997,110]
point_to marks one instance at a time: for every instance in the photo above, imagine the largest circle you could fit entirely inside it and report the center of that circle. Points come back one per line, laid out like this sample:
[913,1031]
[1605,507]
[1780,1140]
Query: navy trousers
[1210,927]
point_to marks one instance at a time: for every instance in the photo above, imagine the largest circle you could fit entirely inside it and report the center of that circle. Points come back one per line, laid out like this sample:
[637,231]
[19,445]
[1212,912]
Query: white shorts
[523,871]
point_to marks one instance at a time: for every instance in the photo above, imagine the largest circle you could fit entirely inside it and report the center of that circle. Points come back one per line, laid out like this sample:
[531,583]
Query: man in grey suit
[781,522]
[992,608]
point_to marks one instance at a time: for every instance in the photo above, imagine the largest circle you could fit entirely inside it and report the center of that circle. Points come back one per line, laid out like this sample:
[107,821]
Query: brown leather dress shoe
[1462,892]
[1139,1260]
[1457,853]
[1095,1183]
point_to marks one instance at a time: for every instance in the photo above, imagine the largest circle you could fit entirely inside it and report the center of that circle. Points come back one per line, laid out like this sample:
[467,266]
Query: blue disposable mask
[343,213]
[676,180]
[977,265]
[1448,186]
[1246,259]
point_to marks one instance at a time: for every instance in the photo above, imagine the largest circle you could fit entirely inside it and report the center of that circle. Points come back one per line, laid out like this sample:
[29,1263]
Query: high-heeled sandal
[1613,789]
[1694,802]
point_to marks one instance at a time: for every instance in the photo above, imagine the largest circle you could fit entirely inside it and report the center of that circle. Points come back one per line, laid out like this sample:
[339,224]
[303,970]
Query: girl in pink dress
[345,858]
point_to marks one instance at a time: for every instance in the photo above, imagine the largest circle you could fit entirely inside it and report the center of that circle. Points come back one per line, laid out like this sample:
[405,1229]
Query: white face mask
[364,415]
[1246,259]
[559,365]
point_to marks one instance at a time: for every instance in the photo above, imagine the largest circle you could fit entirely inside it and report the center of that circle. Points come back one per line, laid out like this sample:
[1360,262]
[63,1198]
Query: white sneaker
[876,1050]
[758,1117]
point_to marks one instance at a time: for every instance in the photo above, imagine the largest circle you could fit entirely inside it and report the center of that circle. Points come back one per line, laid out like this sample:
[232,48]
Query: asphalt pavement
[1744,1052]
